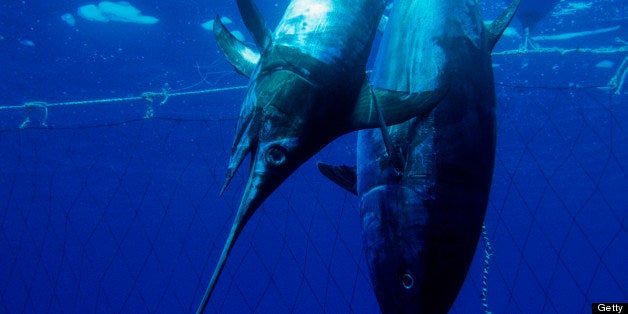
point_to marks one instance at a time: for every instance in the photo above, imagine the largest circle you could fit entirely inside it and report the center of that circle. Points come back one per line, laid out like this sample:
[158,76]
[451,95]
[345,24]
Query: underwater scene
[313,156]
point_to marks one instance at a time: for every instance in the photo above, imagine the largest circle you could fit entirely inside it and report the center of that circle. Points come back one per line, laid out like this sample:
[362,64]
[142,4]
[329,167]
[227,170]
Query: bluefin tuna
[423,185]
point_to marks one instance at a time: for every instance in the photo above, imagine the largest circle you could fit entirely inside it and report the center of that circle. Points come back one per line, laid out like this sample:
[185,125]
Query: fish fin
[394,158]
[396,107]
[344,176]
[244,142]
[243,58]
[239,151]
[255,23]
[499,25]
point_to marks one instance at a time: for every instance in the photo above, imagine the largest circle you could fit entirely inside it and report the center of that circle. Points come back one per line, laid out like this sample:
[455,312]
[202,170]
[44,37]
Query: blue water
[102,210]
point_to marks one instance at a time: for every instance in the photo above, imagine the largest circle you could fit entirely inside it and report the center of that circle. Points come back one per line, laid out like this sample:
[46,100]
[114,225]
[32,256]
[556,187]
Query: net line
[616,83]
[146,226]
[150,97]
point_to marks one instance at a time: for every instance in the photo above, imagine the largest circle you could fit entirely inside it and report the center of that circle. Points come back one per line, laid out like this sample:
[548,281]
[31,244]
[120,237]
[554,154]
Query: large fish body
[310,74]
[421,219]
[306,82]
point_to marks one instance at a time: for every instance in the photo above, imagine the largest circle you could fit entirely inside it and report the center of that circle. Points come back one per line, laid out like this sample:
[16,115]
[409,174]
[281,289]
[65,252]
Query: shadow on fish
[307,87]
[423,185]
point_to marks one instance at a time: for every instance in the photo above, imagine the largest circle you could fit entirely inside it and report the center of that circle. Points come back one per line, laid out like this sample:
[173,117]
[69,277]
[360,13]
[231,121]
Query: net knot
[30,106]
[151,96]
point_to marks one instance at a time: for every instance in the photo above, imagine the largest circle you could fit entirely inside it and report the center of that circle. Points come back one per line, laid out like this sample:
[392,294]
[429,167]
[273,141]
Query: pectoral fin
[396,107]
[390,150]
[344,176]
[243,58]
[499,25]
[255,23]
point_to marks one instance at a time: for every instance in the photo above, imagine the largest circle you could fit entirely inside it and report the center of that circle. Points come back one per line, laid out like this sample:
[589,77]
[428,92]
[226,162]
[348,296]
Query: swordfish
[423,185]
[307,87]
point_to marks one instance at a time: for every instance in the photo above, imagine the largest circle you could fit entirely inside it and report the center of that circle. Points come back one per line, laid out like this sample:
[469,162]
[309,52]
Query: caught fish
[307,87]
[423,185]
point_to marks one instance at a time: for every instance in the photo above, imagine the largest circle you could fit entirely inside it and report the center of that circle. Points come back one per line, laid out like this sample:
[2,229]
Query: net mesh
[103,212]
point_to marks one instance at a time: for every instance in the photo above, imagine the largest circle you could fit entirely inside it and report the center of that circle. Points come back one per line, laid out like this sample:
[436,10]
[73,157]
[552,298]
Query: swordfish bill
[312,66]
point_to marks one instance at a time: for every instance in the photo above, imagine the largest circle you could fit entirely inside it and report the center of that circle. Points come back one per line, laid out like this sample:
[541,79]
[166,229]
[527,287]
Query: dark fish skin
[304,91]
[421,222]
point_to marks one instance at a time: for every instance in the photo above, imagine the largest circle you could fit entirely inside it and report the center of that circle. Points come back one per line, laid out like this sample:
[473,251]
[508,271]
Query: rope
[149,96]
[567,36]
[615,84]
[29,106]
[488,252]
[617,81]
[165,95]
[602,50]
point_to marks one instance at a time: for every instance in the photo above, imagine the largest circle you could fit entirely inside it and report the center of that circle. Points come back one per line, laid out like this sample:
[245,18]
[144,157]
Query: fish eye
[276,155]
[407,281]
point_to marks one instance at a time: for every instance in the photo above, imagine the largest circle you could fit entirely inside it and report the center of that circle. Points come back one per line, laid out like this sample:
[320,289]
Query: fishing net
[114,208]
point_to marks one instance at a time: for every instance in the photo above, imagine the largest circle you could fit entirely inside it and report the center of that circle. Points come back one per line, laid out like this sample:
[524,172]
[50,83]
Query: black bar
[609,308]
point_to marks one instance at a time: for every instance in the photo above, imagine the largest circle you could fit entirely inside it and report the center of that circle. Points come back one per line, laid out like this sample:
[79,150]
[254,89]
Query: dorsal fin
[255,23]
[499,25]
[344,176]
[243,58]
